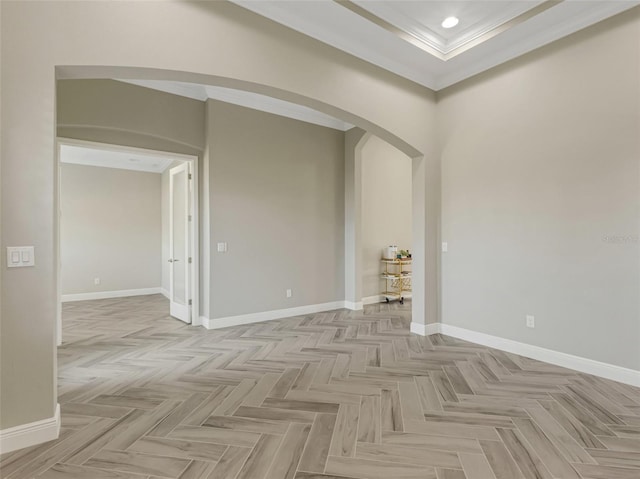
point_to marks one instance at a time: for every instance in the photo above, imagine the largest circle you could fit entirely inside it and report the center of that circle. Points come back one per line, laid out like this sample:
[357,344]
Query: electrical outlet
[96,281]
[531,321]
[289,294]
[445,247]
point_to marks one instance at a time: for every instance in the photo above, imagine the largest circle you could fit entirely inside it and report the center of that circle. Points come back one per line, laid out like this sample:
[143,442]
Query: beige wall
[540,164]
[211,42]
[109,229]
[386,207]
[277,200]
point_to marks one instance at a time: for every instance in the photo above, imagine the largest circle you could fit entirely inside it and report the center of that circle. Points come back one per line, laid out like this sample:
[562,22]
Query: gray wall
[277,199]
[109,228]
[540,169]
[386,207]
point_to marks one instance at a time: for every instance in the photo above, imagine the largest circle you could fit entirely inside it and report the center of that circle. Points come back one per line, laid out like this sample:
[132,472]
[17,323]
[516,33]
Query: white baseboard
[218,323]
[123,293]
[30,434]
[425,329]
[419,328]
[577,363]
[357,306]
[164,293]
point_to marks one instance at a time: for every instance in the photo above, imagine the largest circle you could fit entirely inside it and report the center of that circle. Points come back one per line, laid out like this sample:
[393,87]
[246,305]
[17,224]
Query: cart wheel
[387,299]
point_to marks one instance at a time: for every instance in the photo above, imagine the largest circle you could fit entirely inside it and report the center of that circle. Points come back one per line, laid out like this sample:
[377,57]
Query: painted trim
[195,242]
[419,328]
[577,363]
[415,33]
[435,76]
[30,434]
[425,329]
[354,306]
[217,323]
[164,293]
[123,293]
[543,36]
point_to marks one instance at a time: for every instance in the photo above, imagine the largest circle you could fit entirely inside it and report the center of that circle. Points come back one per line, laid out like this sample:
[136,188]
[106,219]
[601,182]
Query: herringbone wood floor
[330,395]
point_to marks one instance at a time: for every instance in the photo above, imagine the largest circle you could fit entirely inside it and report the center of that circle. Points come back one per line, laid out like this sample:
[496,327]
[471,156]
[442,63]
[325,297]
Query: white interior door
[179,243]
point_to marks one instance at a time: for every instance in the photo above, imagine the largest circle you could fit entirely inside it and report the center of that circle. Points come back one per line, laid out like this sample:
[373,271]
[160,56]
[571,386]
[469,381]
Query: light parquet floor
[330,395]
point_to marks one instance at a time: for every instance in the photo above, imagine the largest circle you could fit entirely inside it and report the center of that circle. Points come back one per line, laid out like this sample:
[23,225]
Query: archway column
[425,231]
[353,142]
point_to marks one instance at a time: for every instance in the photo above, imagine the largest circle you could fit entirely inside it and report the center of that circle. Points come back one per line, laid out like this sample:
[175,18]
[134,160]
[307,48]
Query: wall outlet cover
[531,321]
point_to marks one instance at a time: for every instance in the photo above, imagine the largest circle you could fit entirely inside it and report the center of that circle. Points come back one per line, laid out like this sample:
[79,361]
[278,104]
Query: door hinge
[190,176]
[190,260]
[190,302]
[190,218]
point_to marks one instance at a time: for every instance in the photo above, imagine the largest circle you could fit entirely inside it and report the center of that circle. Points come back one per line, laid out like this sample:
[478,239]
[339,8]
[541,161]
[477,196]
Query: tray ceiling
[407,38]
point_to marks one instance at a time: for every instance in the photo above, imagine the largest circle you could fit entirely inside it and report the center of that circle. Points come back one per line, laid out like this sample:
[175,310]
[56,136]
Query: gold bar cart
[397,277]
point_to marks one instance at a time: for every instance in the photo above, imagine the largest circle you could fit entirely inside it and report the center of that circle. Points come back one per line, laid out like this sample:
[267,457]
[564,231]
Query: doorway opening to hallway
[127,226]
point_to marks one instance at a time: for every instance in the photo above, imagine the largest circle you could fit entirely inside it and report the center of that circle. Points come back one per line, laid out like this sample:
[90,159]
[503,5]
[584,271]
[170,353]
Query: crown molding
[539,38]
[405,55]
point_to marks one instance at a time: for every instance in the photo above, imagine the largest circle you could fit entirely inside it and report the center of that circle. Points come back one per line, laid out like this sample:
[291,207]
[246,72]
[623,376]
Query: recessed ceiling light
[450,22]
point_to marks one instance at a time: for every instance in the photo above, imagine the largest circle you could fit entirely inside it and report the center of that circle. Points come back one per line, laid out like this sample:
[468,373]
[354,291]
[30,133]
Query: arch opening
[355,139]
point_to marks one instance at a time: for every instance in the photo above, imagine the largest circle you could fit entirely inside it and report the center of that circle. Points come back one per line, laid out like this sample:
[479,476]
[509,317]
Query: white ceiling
[406,37]
[423,20]
[114,158]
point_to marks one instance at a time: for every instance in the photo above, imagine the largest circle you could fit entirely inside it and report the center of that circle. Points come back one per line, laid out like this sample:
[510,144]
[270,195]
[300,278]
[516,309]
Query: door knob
[173,260]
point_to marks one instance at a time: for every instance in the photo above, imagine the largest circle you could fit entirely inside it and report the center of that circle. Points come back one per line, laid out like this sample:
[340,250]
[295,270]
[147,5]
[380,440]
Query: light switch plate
[20,256]
[445,247]
[222,247]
